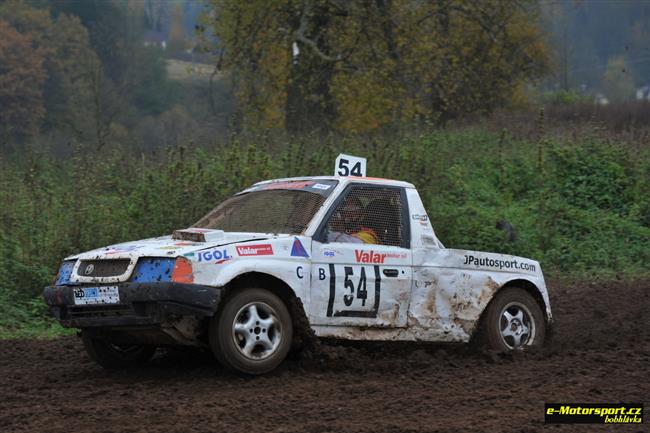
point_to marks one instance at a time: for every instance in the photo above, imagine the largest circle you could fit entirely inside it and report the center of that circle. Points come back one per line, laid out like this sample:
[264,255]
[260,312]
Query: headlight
[63,276]
[152,269]
[162,269]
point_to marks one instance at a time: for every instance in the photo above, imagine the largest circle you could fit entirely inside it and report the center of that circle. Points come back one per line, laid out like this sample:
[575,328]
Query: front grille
[100,311]
[102,268]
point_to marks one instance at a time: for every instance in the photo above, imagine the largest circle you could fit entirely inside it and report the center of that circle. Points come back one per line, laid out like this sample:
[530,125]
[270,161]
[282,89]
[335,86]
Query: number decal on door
[355,288]
[362,293]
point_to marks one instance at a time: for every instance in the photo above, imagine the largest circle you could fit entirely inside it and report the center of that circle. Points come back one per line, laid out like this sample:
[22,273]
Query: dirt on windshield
[600,352]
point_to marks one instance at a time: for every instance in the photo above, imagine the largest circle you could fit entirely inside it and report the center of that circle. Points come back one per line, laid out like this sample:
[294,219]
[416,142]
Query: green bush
[566,97]
[593,175]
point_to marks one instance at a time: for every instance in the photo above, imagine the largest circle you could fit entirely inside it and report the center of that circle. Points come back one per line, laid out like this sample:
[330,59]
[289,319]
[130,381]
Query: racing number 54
[348,165]
[344,170]
[349,297]
[362,292]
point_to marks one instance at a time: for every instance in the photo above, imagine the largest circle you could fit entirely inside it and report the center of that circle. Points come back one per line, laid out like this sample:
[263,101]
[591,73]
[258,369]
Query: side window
[368,215]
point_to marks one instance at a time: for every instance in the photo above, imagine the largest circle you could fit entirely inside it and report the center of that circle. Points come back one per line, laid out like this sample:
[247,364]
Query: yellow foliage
[361,66]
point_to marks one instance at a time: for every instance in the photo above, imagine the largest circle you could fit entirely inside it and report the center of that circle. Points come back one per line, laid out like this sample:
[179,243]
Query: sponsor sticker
[255,250]
[177,245]
[321,186]
[420,217]
[373,257]
[297,250]
[218,255]
[477,261]
[120,249]
[288,185]
[332,252]
[428,239]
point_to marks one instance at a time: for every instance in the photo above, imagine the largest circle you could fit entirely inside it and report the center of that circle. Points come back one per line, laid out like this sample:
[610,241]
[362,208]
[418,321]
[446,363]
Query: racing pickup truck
[346,257]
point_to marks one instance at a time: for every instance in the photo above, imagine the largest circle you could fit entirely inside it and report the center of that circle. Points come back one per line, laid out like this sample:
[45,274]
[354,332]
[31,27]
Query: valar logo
[255,250]
[368,257]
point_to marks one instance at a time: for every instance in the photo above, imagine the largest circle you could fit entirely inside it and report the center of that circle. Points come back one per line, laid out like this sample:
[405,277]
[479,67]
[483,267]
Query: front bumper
[140,304]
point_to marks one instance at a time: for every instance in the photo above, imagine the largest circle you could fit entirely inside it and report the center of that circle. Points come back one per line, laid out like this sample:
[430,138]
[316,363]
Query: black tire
[262,339]
[502,316]
[113,356]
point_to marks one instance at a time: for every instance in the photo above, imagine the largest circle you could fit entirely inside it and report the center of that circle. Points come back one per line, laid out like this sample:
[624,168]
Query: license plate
[96,295]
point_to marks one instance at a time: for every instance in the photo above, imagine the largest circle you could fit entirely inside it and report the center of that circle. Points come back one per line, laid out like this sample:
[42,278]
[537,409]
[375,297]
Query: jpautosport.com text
[496,263]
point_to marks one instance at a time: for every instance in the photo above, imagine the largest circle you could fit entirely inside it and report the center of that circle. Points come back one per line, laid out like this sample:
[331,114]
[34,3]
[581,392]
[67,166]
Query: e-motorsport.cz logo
[593,413]
[500,264]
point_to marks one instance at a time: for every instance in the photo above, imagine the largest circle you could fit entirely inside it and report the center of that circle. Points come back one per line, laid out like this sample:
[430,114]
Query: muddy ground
[600,352]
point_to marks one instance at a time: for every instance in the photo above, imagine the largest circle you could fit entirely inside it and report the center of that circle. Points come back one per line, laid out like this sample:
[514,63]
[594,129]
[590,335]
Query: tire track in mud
[600,352]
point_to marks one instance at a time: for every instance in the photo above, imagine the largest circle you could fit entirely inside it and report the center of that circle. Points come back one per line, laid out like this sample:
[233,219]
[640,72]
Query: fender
[537,289]
[295,273]
[452,300]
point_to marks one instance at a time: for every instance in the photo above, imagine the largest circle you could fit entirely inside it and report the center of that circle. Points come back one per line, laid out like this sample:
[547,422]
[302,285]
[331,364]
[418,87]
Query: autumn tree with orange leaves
[47,73]
[22,75]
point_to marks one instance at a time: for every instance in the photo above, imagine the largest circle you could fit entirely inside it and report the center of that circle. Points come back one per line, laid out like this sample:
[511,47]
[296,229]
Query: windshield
[277,207]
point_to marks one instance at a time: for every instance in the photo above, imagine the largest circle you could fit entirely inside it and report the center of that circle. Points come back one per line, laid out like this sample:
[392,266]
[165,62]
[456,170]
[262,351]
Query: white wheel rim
[257,331]
[516,326]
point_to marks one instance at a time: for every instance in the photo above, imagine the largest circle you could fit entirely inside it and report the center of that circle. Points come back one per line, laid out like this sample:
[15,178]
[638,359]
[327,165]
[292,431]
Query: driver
[346,224]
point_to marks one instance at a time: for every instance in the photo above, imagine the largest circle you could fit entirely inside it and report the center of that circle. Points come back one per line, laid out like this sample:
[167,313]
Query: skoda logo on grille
[89,269]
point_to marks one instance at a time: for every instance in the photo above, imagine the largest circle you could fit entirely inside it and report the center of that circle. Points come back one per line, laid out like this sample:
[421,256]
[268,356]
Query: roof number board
[348,165]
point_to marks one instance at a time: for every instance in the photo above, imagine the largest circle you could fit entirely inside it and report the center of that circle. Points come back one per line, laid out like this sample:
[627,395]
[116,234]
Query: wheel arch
[260,280]
[277,286]
[531,289]
[519,283]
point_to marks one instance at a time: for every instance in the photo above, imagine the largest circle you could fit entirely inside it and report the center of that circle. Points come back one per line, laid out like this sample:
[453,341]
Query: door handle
[390,272]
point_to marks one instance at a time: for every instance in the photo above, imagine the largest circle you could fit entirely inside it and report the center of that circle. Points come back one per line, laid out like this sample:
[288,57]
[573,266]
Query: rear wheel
[115,356]
[252,333]
[513,321]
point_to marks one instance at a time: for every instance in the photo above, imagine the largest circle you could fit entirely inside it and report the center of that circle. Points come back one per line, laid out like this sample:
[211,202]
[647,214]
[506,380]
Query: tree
[365,65]
[22,76]
[64,42]
[157,15]
[112,34]
[177,40]
[618,81]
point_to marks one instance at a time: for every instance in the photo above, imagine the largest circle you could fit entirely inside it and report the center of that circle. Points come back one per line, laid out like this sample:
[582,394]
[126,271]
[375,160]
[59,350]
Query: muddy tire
[252,332]
[512,321]
[113,356]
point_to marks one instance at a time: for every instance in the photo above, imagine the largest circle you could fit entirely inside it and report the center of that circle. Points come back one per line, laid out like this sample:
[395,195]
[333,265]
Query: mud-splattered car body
[164,290]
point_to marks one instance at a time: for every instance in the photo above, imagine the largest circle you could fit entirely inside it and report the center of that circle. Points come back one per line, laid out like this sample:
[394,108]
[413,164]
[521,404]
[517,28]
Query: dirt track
[600,353]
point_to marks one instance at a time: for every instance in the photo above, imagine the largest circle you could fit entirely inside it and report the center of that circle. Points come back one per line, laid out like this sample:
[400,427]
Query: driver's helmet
[348,216]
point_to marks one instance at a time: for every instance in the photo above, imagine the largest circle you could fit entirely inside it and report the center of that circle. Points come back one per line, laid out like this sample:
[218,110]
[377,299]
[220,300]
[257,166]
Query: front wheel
[252,333]
[513,321]
[113,356]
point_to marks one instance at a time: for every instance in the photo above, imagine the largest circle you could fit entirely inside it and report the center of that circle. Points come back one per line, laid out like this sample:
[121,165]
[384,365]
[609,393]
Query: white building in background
[153,38]
[600,99]
[643,93]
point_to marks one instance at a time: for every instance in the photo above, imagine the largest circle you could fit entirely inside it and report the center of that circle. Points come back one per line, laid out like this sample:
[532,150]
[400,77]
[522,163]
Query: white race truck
[347,257]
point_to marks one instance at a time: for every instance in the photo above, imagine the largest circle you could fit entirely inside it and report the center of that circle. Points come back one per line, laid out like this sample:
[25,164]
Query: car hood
[169,246]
